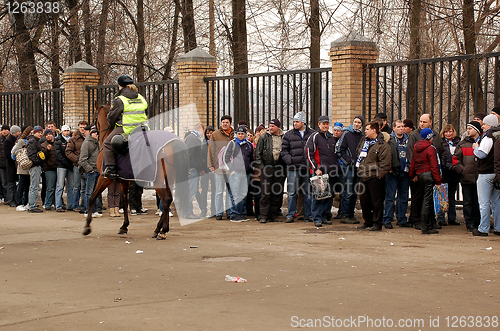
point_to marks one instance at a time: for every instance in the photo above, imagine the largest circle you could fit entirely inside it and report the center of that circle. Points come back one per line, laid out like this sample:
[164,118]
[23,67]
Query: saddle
[119,143]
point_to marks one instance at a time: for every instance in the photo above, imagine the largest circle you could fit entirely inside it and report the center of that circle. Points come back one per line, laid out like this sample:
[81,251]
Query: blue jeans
[350,194]
[23,190]
[75,187]
[50,177]
[35,173]
[220,187]
[321,209]
[193,188]
[91,180]
[239,190]
[489,200]
[298,179]
[401,185]
[65,174]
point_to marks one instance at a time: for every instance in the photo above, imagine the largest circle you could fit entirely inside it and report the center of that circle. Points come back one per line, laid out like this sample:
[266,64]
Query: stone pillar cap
[81,66]
[196,55]
[353,39]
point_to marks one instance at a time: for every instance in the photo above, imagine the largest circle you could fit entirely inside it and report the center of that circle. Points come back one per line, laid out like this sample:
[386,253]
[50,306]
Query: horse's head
[101,121]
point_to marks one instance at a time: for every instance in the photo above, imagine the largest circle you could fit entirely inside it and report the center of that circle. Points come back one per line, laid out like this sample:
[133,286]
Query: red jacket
[424,159]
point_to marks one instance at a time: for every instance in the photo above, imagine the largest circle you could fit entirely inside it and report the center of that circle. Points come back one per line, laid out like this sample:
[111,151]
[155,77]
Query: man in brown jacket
[216,147]
[373,162]
[73,152]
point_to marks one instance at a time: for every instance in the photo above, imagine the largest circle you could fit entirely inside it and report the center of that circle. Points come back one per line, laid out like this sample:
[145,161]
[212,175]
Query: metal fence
[258,98]
[450,88]
[32,107]
[162,98]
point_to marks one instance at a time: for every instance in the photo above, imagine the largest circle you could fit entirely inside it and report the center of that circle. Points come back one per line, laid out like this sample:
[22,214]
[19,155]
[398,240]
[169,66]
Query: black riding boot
[110,172]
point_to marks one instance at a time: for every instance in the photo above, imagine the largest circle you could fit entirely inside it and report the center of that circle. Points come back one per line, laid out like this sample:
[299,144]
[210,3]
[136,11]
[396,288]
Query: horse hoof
[162,236]
[155,235]
[122,231]
[86,230]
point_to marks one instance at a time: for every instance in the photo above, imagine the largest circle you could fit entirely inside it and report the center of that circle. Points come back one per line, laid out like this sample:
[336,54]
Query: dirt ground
[53,278]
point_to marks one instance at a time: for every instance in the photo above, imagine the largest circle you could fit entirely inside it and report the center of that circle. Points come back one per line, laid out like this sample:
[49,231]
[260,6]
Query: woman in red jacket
[425,169]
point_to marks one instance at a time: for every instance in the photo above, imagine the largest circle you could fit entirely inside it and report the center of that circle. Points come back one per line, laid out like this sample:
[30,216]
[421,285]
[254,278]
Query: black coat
[293,147]
[60,150]
[194,148]
[3,159]
[11,164]
[264,151]
[33,148]
[320,153]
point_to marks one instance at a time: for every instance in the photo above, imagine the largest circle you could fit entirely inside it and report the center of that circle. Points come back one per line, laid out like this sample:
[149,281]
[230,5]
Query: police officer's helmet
[125,80]
[119,144]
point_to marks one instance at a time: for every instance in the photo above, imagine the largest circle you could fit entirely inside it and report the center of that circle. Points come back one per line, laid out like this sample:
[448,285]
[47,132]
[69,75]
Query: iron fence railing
[32,107]
[452,89]
[258,98]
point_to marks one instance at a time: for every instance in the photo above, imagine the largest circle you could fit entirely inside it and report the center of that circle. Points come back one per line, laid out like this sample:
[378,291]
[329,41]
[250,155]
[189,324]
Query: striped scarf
[364,150]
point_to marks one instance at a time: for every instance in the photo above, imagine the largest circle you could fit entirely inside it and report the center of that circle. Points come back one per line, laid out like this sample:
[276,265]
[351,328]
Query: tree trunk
[240,59]
[173,44]
[469,27]
[314,59]
[140,41]
[28,76]
[101,41]
[54,53]
[415,53]
[211,23]
[74,39]
[188,26]
[87,23]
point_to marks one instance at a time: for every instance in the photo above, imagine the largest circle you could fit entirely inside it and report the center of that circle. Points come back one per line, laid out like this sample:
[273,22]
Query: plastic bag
[441,203]
[321,187]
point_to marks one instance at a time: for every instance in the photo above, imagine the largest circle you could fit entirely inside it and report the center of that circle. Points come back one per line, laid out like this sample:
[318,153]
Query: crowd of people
[380,164]
[58,158]
[245,171]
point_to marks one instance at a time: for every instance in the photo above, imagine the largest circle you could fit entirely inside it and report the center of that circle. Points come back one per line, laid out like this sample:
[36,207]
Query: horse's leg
[124,186]
[101,185]
[166,198]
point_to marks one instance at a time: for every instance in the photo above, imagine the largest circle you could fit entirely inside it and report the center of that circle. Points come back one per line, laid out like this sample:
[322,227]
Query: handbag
[23,160]
[440,196]
[321,187]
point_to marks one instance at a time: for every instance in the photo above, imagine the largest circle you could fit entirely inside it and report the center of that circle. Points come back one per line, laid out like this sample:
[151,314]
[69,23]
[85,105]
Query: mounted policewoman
[128,111]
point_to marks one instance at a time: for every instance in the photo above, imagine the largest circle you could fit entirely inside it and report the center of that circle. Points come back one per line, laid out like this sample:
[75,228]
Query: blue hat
[338,126]
[426,134]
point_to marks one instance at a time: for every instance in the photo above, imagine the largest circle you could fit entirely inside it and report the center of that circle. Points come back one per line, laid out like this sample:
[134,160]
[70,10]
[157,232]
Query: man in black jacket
[9,143]
[36,155]
[3,164]
[193,141]
[292,152]
[268,159]
[64,170]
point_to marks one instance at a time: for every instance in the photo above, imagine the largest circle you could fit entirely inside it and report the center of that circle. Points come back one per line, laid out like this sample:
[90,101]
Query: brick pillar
[1,84]
[348,55]
[76,78]
[192,67]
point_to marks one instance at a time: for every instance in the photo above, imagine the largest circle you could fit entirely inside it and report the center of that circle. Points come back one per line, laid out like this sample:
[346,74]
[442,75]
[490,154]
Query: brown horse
[173,161]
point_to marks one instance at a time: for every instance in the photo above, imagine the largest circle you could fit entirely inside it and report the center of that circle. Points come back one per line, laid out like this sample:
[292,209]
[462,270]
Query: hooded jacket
[11,164]
[60,145]
[33,148]
[425,159]
[239,158]
[3,159]
[378,160]
[193,143]
[73,147]
[293,146]
[88,155]
[219,140]
[347,145]
[115,114]
[465,162]
[50,162]
[320,153]
[264,150]
[415,136]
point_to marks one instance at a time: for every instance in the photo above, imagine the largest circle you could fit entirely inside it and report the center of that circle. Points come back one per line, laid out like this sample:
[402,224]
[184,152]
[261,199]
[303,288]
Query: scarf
[364,150]
[239,142]
[65,138]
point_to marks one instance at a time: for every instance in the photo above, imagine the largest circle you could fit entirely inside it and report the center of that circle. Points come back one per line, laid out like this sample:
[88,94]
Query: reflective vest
[134,112]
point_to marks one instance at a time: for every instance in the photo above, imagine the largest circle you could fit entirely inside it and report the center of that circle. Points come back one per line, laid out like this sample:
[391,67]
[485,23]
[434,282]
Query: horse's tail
[181,163]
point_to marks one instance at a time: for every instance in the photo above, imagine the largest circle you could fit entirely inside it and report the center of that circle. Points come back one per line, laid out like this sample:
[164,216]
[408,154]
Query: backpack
[23,160]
